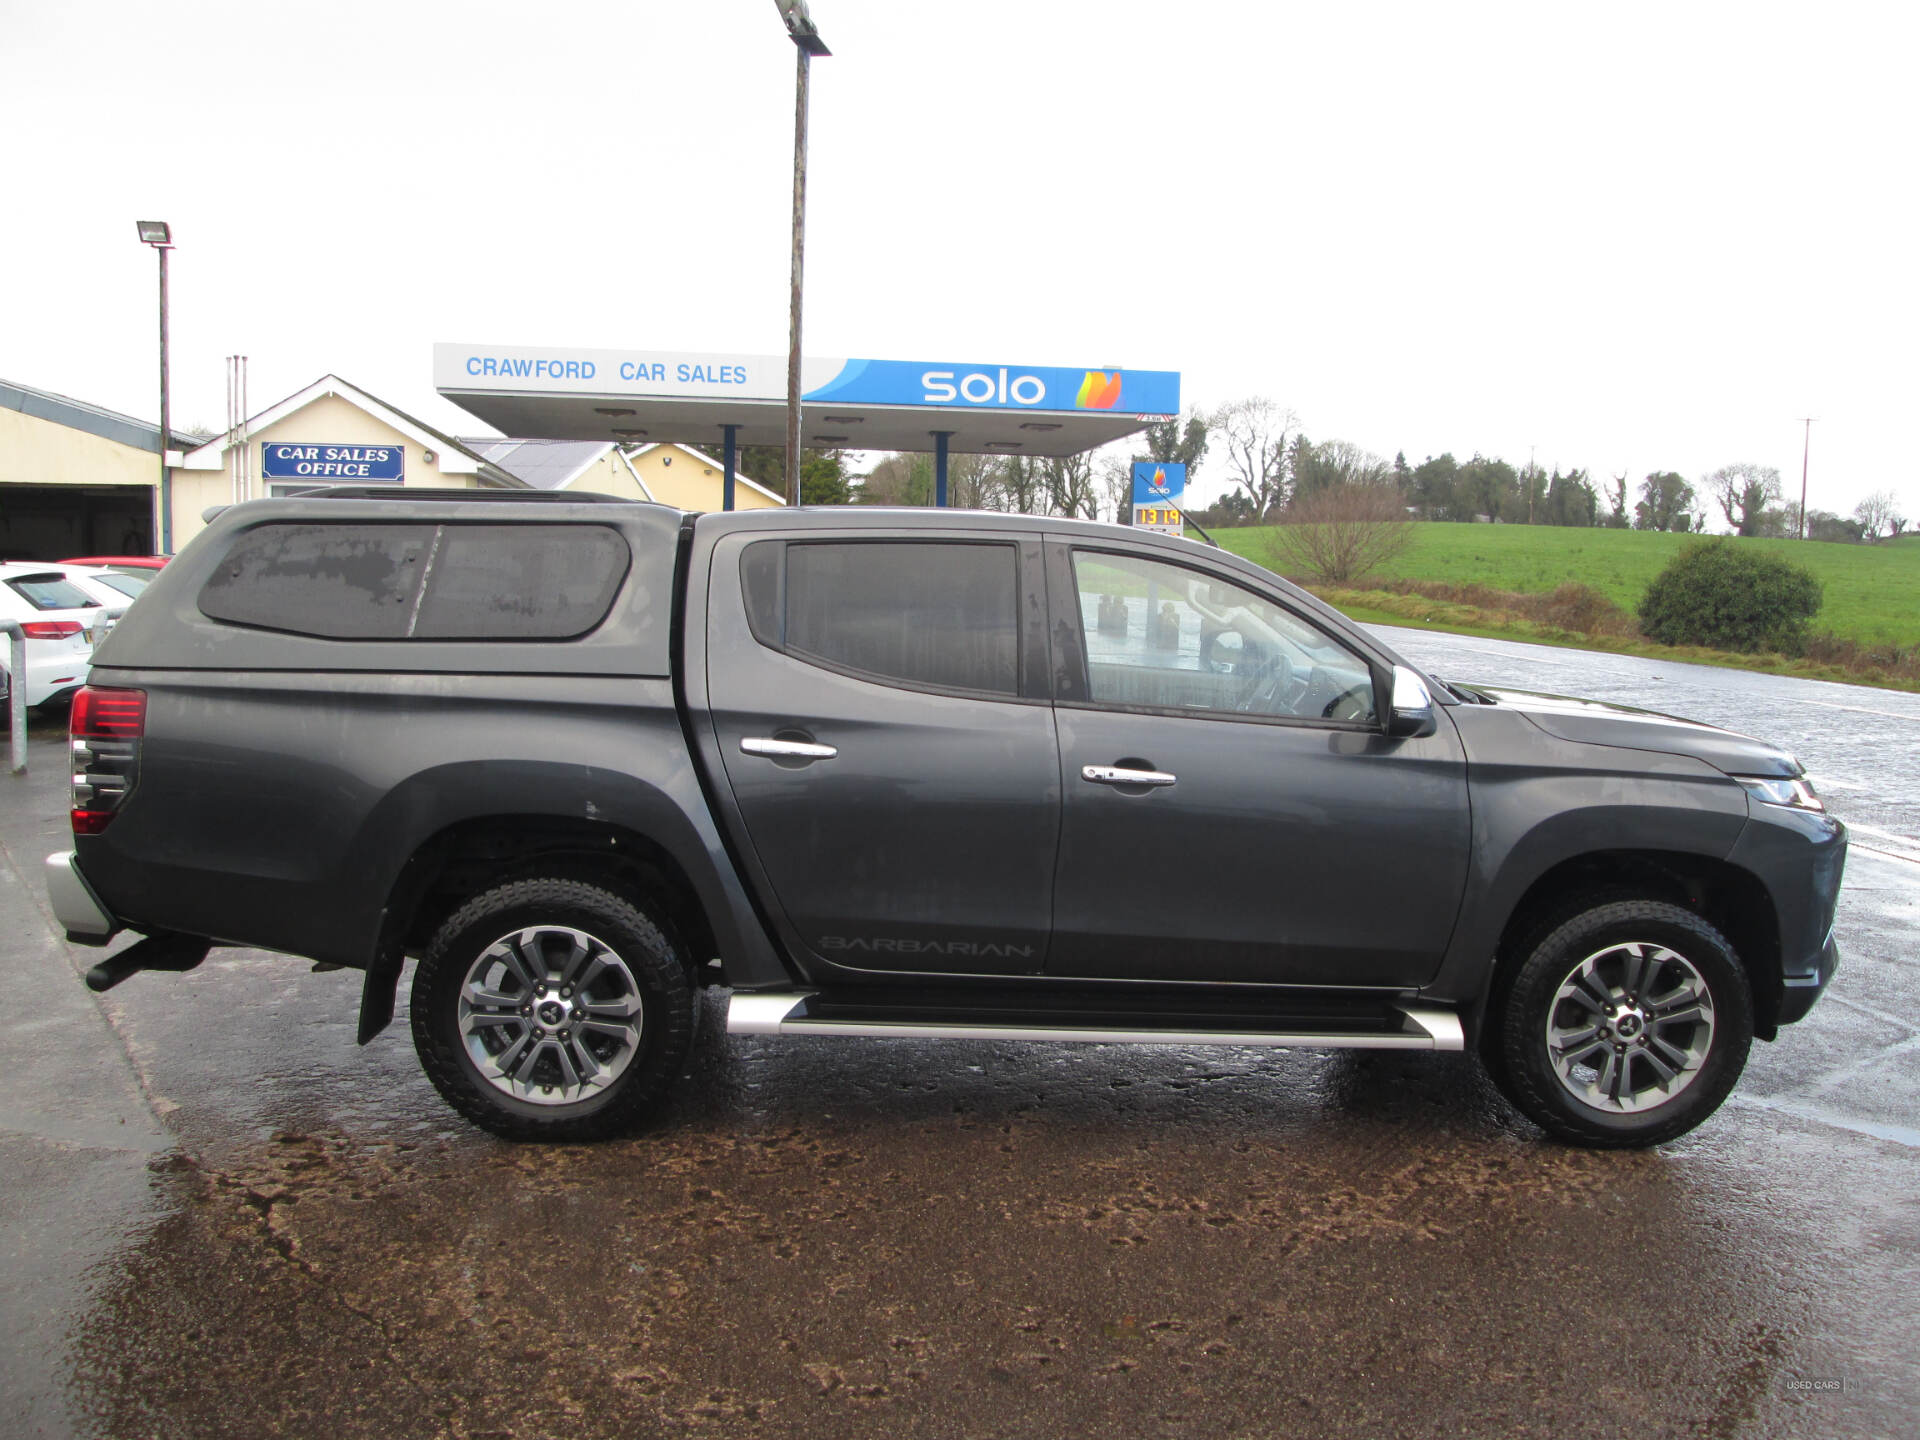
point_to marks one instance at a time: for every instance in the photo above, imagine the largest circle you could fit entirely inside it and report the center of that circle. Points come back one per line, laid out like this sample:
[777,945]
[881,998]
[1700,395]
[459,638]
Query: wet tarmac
[222,1218]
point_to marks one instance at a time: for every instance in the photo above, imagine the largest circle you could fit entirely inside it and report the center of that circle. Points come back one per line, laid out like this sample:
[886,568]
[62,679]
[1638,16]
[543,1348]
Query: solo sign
[998,387]
[1158,493]
[332,462]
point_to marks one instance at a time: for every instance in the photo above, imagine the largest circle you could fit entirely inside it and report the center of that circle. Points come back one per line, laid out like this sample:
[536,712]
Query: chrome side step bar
[772,1013]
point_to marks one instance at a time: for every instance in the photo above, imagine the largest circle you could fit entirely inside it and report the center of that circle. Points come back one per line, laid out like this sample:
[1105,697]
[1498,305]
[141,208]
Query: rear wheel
[1626,1025]
[552,1010]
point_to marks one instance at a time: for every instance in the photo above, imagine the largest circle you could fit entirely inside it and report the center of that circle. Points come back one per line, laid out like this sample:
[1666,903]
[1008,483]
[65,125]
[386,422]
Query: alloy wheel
[1630,1027]
[550,1015]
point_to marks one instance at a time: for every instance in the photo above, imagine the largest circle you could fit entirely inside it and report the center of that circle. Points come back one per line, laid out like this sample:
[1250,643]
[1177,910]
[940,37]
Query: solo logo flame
[1099,391]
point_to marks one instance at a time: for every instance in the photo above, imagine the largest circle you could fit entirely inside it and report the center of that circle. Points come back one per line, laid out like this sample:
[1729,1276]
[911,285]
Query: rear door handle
[786,749]
[1114,775]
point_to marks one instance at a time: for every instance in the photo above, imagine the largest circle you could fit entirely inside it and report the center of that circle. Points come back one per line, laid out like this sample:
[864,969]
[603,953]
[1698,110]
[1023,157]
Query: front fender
[1539,802]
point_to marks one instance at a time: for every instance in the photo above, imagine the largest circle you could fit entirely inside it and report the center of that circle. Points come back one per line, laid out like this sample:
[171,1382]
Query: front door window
[1162,637]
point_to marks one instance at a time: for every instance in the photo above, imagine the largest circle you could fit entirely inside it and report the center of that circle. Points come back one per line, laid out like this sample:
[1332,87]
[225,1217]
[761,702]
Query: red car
[133,562]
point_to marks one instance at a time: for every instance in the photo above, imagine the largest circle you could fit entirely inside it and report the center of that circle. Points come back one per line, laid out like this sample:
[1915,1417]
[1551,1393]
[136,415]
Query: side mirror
[1412,714]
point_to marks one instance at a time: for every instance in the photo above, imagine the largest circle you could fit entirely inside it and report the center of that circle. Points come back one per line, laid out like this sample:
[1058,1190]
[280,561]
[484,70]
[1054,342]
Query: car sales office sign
[332,462]
[1158,493]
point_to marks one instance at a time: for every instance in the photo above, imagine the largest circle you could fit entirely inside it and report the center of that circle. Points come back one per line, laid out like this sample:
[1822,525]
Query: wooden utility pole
[807,41]
[1805,445]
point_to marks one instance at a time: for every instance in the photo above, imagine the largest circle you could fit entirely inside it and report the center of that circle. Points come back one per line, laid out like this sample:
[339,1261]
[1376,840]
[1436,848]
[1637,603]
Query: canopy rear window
[412,581]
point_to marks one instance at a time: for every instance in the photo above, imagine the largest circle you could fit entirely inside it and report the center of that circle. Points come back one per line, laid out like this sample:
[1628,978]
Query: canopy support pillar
[730,455]
[940,438]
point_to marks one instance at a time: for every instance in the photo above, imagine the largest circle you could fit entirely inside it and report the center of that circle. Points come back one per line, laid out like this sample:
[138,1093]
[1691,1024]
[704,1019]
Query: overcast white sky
[1620,237]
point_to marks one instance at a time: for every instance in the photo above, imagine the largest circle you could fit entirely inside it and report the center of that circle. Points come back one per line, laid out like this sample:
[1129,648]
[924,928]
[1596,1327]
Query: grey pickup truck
[909,773]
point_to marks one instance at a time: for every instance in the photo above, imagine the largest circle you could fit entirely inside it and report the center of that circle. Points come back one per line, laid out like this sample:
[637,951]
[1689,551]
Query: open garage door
[50,522]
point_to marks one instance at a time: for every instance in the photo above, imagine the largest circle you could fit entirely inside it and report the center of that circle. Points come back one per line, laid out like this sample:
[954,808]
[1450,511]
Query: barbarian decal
[925,947]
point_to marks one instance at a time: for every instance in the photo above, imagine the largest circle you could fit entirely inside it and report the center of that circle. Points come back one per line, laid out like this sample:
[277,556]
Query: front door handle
[786,749]
[1114,775]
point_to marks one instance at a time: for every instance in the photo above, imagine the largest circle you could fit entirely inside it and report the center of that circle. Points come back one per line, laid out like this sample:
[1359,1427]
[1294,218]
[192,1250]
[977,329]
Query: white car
[62,620]
[110,586]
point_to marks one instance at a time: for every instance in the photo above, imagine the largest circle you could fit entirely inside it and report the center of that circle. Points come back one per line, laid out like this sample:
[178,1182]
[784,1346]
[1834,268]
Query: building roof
[719,466]
[541,464]
[94,419]
[207,454]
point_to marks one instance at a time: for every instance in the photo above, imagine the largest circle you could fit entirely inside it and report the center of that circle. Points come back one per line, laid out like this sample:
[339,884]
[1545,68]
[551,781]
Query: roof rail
[421,492]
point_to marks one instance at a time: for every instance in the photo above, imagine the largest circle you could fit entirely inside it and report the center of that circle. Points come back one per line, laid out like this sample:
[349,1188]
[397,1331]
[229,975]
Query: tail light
[51,629]
[105,731]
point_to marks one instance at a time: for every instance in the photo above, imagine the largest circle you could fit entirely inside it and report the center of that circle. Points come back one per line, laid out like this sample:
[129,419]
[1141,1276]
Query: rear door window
[936,614]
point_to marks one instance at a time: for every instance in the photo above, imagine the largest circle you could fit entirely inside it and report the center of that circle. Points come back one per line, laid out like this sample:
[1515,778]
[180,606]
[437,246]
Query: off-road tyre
[1522,1059]
[659,979]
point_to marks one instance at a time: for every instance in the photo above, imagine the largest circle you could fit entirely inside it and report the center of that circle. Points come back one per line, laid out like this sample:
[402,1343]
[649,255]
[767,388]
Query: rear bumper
[50,676]
[1798,992]
[78,909]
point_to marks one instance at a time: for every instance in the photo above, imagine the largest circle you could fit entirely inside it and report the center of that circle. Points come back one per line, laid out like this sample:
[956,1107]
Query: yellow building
[689,479]
[331,433]
[676,475]
[74,479]
[78,480]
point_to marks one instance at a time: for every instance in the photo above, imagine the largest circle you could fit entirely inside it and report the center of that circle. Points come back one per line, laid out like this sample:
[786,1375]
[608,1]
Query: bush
[1570,606]
[1731,597]
[1882,662]
[1340,532]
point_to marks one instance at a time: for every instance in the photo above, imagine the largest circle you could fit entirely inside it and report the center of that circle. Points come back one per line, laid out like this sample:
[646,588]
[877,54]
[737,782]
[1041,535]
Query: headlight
[1795,794]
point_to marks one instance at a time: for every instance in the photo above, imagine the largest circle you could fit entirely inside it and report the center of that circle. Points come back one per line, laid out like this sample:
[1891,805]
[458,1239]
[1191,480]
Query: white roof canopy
[854,404]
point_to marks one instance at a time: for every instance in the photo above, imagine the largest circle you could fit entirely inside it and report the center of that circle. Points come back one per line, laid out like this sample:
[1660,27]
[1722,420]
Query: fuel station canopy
[648,396]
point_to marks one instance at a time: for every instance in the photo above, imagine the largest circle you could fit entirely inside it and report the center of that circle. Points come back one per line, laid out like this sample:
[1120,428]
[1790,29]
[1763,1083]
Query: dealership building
[78,479]
[666,426]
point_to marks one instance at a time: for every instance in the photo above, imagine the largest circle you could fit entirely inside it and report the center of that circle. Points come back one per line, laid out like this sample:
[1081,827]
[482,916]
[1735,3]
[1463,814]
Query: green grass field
[1872,591]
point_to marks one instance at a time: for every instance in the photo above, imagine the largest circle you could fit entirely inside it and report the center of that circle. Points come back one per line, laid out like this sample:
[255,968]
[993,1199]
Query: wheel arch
[478,853]
[1733,900]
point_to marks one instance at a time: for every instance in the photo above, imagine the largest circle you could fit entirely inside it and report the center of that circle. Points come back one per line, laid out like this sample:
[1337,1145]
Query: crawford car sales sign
[332,462]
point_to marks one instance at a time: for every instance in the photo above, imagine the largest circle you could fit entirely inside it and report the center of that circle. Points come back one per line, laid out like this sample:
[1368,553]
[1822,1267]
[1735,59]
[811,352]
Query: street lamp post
[807,42]
[157,234]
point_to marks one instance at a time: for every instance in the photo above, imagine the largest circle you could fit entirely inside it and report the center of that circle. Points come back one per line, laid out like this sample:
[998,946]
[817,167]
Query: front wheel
[552,1010]
[1626,1025]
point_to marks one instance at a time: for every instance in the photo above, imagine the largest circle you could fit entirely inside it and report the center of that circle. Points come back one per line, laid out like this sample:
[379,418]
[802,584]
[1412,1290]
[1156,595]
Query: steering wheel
[1267,681]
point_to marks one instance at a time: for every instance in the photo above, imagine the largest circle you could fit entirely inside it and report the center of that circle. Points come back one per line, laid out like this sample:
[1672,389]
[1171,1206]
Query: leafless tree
[973,482]
[1875,513]
[1744,492]
[1116,483]
[1022,487]
[1341,532]
[1256,436]
[1069,486]
[889,482]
